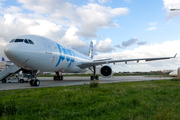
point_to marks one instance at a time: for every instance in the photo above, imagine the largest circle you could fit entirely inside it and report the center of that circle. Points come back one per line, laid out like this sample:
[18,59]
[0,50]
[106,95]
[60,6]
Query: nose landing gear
[34,81]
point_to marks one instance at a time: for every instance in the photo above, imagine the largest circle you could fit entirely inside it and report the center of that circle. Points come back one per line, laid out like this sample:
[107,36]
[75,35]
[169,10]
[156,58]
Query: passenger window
[26,41]
[30,41]
[12,41]
[19,40]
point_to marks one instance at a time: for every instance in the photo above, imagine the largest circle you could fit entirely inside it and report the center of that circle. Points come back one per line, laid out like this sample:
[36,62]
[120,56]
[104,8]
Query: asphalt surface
[68,81]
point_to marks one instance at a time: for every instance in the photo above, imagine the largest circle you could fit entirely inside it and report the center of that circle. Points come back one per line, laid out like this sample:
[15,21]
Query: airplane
[37,53]
[173,73]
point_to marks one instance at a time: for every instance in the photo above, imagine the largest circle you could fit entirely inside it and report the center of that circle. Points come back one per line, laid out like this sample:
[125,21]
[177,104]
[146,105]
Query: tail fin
[3,59]
[91,50]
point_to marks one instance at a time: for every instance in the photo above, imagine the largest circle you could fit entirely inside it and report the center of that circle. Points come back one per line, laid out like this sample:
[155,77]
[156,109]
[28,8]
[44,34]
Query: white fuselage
[173,73]
[45,55]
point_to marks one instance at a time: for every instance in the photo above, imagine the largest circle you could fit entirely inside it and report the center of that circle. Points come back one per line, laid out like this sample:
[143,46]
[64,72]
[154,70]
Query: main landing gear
[58,77]
[94,77]
[34,81]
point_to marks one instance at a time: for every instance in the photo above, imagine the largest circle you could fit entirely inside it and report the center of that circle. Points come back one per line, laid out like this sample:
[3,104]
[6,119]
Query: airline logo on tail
[3,59]
[91,50]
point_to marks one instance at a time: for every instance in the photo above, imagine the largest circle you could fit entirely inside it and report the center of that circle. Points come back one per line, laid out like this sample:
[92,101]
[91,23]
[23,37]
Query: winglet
[175,55]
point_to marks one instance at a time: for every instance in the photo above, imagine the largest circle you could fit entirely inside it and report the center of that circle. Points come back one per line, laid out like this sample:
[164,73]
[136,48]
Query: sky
[119,29]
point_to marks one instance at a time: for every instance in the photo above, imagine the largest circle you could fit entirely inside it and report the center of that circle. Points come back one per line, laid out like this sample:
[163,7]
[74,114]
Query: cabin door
[47,46]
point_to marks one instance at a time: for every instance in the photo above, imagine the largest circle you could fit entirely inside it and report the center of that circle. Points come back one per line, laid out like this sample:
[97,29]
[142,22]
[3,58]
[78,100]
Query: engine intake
[106,71]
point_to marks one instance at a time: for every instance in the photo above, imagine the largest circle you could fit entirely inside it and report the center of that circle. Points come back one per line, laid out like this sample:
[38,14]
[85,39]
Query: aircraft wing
[95,63]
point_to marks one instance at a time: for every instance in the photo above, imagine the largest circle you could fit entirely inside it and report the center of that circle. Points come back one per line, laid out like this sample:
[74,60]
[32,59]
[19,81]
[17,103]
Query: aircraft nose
[10,51]
[7,51]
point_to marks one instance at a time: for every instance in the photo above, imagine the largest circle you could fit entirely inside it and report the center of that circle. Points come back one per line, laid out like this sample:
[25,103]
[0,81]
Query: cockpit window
[12,41]
[30,41]
[26,41]
[19,40]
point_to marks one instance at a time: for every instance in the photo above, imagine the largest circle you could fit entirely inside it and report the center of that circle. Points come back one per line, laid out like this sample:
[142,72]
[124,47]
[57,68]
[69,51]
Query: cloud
[39,6]
[103,1]
[172,4]
[2,45]
[152,24]
[94,17]
[13,25]
[142,43]
[46,28]
[56,19]
[100,1]
[104,46]
[70,39]
[129,42]
[119,46]
[151,28]
[92,0]
[3,42]
[88,18]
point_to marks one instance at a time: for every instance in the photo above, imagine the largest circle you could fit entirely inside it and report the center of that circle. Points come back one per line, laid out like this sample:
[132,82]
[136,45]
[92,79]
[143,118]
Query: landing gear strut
[34,81]
[58,77]
[94,77]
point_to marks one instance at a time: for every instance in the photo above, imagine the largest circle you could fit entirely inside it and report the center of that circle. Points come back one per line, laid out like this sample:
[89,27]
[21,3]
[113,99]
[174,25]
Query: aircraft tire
[97,77]
[37,82]
[4,81]
[32,82]
[61,77]
[21,80]
[55,78]
[92,77]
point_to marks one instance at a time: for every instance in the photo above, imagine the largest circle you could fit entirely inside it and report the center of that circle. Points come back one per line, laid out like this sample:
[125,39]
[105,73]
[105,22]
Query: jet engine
[106,71]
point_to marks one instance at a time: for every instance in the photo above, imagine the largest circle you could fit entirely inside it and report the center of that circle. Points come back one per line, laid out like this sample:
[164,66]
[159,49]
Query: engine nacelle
[106,71]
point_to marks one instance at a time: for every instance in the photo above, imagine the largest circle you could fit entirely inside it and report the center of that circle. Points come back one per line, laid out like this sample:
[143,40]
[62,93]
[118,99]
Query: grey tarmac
[69,81]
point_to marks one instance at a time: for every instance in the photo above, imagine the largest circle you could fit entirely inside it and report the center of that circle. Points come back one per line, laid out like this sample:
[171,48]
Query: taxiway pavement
[68,81]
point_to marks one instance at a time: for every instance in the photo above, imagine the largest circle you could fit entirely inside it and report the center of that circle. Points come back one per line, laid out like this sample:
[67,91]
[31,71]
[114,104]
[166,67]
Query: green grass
[159,100]
[94,84]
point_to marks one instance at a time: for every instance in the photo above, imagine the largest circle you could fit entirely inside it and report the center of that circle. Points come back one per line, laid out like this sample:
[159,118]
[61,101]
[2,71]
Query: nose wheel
[35,82]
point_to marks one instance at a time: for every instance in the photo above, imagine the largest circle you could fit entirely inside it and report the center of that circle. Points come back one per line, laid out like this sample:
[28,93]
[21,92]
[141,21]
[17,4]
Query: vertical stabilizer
[3,59]
[90,54]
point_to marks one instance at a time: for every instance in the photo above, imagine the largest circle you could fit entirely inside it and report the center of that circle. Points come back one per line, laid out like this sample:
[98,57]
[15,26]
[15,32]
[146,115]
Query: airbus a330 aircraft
[37,53]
